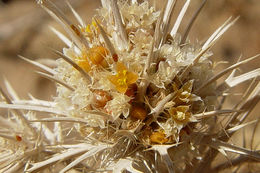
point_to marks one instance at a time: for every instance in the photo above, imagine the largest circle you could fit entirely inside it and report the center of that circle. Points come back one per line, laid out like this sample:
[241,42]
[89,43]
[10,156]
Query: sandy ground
[24,30]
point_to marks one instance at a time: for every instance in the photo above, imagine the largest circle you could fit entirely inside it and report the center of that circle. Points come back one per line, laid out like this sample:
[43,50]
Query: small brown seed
[138,112]
[101,98]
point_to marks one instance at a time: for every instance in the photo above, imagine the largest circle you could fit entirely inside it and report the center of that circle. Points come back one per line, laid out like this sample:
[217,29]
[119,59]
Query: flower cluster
[128,89]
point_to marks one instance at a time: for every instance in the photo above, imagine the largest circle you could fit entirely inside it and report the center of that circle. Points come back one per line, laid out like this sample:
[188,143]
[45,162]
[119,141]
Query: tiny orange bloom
[158,137]
[123,78]
[18,138]
[96,55]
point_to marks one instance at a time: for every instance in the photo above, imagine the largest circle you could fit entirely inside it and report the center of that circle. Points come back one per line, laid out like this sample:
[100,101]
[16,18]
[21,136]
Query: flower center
[180,116]
[122,81]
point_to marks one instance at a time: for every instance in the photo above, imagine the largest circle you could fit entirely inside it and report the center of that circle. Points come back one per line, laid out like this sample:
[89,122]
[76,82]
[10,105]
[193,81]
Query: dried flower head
[132,94]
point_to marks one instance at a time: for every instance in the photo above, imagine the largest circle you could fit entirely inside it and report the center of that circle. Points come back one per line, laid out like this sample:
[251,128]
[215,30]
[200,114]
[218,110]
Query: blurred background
[24,30]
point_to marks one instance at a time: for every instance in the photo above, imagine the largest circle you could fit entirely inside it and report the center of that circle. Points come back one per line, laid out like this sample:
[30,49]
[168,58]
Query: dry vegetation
[24,30]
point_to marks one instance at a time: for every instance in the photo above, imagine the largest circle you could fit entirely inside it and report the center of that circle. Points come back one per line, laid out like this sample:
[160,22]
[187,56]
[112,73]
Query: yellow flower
[180,114]
[183,95]
[123,78]
[90,26]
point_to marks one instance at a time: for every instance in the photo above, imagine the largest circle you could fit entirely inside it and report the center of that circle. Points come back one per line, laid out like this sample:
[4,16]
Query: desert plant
[132,95]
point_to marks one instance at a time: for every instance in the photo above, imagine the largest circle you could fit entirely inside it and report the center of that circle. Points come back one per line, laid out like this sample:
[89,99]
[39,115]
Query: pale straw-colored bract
[132,94]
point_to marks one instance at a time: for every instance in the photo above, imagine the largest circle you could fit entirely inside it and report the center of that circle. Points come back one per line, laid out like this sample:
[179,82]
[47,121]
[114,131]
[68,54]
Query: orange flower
[84,64]
[123,78]
[158,137]
[95,55]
